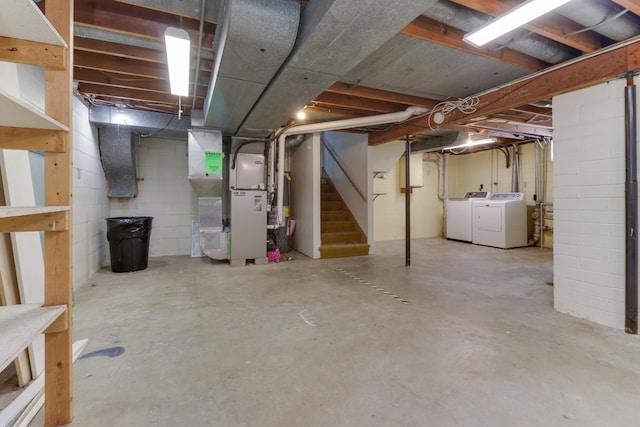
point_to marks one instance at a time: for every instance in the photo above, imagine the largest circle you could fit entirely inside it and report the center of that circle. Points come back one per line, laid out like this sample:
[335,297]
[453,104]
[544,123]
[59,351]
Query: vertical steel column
[631,210]
[407,202]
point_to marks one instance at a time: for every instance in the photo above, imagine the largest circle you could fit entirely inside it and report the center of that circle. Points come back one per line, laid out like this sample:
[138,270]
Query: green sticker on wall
[212,162]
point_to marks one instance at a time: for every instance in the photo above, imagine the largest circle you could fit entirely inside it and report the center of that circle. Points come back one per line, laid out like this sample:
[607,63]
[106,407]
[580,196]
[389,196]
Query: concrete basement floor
[306,343]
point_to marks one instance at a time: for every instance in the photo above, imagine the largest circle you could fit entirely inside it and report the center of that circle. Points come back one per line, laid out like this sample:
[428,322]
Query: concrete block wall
[589,174]
[90,203]
[164,192]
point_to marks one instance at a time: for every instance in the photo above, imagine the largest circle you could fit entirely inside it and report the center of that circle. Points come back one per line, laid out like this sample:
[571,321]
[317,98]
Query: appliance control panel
[476,195]
[507,196]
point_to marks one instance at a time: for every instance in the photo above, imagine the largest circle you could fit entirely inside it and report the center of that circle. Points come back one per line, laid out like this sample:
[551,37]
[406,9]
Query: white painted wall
[488,168]
[389,207]
[352,151]
[305,189]
[589,175]
[384,157]
[90,203]
[164,192]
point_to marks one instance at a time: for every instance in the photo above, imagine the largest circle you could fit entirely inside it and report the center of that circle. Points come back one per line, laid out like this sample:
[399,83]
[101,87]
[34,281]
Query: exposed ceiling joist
[433,31]
[631,5]
[329,99]
[135,20]
[125,82]
[381,95]
[187,8]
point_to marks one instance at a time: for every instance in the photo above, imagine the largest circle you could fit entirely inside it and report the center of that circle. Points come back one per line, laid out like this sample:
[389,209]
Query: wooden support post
[58,244]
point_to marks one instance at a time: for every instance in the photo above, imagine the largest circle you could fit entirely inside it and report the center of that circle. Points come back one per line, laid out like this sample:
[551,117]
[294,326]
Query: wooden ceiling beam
[381,95]
[118,49]
[131,19]
[515,128]
[579,73]
[128,51]
[131,94]
[427,29]
[126,82]
[329,99]
[333,111]
[538,111]
[631,5]
[553,26]
[108,63]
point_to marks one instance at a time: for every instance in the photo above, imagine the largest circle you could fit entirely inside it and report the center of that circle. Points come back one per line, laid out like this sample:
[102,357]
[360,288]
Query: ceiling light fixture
[516,17]
[301,115]
[178,47]
[471,143]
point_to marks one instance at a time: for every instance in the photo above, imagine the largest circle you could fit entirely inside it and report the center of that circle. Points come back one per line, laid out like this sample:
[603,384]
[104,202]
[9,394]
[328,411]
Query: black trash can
[129,242]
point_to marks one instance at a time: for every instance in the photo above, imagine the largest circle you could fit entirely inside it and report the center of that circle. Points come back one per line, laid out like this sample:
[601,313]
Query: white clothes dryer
[500,221]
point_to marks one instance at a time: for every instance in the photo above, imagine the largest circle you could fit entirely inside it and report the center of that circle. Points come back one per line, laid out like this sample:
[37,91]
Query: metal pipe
[536,193]
[515,169]
[631,209]
[201,31]
[407,202]
[281,179]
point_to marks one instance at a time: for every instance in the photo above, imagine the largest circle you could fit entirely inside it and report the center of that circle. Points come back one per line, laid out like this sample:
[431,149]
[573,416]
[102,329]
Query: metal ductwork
[438,142]
[116,154]
[522,41]
[145,123]
[334,36]
[118,129]
[253,40]
[206,177]
[605,19]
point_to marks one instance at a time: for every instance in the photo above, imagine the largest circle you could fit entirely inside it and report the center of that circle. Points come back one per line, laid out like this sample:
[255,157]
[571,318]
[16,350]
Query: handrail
[335,158]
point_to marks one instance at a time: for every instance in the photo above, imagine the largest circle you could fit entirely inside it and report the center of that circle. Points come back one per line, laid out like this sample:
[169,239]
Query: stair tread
[341,232]
[340,245]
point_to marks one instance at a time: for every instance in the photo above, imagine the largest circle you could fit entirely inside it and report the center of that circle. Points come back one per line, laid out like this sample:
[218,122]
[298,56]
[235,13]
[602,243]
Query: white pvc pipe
[281,179]
[272,165]
[333,125]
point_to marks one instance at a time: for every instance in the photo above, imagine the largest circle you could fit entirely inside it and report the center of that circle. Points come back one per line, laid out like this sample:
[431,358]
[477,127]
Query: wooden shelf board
[20,325]
[21,19]
[34,218]
[15,112]
[14,211]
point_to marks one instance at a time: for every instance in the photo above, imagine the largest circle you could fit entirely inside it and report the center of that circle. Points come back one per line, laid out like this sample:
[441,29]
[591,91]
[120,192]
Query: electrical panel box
[249,172]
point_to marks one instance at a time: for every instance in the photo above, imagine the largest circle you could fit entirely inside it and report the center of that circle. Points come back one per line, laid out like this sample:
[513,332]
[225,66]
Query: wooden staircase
[340,234]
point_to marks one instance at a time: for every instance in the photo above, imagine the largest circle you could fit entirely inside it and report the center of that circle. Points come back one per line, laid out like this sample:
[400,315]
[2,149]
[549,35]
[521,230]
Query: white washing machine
[460,215]
[500,221]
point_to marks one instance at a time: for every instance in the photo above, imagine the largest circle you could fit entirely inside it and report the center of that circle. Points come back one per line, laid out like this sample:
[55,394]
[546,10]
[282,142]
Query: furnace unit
[248,207]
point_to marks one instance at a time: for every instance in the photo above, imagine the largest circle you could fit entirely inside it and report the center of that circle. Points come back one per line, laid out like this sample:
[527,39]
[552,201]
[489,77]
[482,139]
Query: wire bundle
[464,105]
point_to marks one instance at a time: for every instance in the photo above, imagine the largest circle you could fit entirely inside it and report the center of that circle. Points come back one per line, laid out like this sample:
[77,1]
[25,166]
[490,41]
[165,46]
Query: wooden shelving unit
[31,37]
[21,324]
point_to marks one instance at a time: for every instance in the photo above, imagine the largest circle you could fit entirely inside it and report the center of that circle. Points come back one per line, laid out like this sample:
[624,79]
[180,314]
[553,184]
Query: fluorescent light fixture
[178,47]
[471,143]
[516,17]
